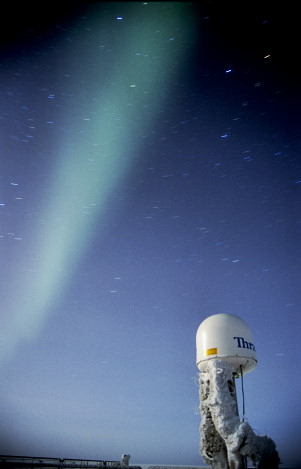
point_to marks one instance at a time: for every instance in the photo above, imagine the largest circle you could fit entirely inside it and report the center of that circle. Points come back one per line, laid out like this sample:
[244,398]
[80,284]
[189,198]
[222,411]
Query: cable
[245,460]
[243,394]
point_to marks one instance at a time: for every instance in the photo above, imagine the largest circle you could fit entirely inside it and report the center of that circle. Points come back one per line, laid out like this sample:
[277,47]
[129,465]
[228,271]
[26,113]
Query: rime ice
[225,439]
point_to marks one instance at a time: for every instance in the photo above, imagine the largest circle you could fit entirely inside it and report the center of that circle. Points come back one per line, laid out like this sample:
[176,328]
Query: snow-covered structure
[225,351]
[125,459]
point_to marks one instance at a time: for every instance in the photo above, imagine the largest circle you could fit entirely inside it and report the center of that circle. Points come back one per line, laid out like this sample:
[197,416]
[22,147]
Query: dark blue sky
[150,177]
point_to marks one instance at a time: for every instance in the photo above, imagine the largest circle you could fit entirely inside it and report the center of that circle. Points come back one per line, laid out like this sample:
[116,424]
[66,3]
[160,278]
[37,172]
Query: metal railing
[23,462]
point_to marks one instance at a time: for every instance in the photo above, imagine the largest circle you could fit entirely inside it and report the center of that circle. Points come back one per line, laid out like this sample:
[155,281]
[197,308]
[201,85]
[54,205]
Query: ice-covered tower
[225,350]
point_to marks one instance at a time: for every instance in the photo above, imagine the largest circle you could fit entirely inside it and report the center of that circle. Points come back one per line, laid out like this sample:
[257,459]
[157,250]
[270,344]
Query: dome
[225,337]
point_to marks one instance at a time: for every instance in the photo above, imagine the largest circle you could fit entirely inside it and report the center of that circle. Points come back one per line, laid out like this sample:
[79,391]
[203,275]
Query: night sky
[150,177]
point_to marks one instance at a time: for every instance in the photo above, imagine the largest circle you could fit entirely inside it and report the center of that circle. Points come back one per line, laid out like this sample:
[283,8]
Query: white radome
[225,337]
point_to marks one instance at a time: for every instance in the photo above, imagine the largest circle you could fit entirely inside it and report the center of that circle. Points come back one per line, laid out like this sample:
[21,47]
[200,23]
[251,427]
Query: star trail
[150,177]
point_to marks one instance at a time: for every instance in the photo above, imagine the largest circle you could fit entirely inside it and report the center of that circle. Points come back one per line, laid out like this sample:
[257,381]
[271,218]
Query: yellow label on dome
[211,351]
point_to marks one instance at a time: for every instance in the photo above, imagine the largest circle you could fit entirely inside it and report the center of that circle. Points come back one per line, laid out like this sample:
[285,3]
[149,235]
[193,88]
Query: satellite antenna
[225,350]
